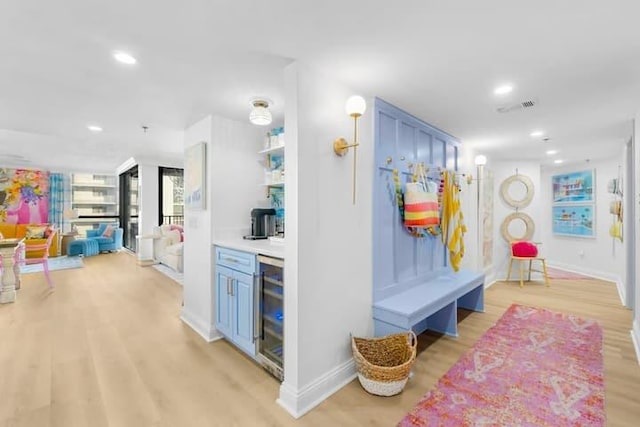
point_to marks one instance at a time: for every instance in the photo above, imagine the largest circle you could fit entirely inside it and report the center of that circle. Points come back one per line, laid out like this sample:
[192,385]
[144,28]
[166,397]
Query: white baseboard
[635,337]
[206,331]
[602,275]
[299,402]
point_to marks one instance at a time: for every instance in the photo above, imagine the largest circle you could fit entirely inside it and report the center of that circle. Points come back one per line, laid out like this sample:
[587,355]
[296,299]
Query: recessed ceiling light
[503,90]
[536,133]
[125,58]
[552,152]
[94,128]
[558,161]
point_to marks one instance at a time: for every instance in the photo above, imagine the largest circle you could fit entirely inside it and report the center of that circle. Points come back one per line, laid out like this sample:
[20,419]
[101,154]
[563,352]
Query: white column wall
[328,254]
[635,332]
[147,206]
[197,310]
[233,177]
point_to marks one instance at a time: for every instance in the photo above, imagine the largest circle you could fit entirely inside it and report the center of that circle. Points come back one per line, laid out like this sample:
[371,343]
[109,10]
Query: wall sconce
[355,107]
[479,161]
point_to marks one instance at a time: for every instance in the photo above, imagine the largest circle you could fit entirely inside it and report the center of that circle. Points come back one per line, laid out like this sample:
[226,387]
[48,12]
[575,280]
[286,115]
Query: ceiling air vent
[530,103]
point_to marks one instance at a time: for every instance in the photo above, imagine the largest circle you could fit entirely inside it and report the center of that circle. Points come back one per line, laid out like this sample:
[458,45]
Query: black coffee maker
[263,224]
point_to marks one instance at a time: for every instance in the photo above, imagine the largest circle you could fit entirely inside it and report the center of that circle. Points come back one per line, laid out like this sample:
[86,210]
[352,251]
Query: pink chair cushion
[524,249]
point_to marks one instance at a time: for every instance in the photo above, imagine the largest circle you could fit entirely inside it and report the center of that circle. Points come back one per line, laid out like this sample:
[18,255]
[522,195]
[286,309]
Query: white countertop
[261,247]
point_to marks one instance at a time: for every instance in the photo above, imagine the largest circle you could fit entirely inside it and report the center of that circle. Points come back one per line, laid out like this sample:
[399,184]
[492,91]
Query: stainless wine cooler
[271,318]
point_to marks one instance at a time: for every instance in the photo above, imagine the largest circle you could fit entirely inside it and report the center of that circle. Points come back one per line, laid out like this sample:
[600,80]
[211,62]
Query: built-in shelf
[272,150]
[272,294]
[273,333]
[273,320]
[274,184]
[273,281]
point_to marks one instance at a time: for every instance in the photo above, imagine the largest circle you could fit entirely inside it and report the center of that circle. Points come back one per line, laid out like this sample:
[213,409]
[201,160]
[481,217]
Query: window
[171,198]
[95,199]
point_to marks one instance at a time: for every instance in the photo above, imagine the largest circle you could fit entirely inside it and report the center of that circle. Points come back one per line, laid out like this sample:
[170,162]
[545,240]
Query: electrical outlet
[581,253]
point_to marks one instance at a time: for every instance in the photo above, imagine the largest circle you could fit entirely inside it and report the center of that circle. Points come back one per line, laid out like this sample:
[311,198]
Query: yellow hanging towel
[452,221]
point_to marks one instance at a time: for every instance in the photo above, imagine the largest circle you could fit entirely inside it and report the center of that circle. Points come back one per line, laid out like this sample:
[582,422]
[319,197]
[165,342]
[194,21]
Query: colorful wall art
[576,220]
[195,176]
[573,187]
[24,196]
[573,209]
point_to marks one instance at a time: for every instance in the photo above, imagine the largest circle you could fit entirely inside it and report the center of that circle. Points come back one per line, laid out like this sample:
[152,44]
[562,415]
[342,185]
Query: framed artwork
[577,220]
[487,219]
[195,175]
[573,187]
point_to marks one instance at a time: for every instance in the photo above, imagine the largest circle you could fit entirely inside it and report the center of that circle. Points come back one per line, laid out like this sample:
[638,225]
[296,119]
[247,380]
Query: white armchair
[167,247]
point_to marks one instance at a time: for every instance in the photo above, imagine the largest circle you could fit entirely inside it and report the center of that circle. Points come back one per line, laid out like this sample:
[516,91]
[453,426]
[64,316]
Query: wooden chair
[21,257]
[527,251]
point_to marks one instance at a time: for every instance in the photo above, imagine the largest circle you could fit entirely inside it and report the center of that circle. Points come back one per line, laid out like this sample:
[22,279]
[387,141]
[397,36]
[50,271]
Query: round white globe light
[355,105]
[480,160]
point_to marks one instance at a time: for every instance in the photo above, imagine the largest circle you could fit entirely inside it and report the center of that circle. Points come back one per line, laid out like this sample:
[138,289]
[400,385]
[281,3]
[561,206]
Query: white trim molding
[635,337]
[299,402]
[208,332]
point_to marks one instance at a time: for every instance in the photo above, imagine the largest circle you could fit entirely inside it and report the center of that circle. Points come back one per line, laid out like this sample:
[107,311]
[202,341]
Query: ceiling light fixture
[124,57]
[536,133]
[503,90]
[94,128]
[552,152]
[260,114]
[558,161]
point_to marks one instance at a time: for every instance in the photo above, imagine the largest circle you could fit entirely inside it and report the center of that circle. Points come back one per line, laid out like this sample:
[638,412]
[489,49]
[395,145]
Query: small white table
[143,259]
[9,274]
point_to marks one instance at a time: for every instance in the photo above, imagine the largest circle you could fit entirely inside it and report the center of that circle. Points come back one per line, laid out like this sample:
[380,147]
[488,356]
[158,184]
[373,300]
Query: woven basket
[384,363]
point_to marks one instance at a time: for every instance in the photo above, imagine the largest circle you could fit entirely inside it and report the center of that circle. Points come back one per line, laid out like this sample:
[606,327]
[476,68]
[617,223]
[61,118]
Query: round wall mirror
[517,226]
[517,191]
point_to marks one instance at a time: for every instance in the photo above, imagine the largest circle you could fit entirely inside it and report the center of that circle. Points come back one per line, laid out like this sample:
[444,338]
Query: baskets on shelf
[384,363]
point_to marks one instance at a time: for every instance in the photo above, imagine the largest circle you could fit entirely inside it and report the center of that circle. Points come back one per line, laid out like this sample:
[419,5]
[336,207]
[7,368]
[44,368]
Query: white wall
[148,197]
[501,171]
[329,240]
[233,188]
[635,332]
[237,174]
[602,256]
[197,311]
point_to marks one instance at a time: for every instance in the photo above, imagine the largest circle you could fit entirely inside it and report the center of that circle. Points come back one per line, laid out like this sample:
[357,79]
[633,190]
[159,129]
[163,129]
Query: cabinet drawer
[237,260]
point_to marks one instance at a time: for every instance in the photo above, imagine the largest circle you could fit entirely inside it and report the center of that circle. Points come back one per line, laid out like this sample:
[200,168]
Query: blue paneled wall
[401,260]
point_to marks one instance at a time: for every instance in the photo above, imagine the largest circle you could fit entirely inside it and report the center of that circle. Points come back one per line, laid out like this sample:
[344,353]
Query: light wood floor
[107,348]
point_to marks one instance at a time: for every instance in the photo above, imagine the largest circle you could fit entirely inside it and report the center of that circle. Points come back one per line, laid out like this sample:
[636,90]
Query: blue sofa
[113,243]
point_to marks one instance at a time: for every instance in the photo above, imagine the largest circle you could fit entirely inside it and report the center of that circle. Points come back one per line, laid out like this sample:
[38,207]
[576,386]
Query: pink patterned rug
[534,367]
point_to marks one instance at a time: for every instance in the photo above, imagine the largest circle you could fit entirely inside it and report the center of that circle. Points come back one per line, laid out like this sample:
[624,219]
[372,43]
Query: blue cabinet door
[224,306]
[243,315]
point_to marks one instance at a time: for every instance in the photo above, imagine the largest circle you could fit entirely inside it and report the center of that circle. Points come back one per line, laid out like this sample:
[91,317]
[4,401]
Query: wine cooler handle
[256,306]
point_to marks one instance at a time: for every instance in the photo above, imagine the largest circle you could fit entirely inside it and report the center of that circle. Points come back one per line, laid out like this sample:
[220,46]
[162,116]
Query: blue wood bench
[431,304]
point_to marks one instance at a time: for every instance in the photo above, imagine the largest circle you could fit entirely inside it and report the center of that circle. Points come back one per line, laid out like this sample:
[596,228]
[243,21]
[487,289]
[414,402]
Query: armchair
[113,243]
[168,247]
